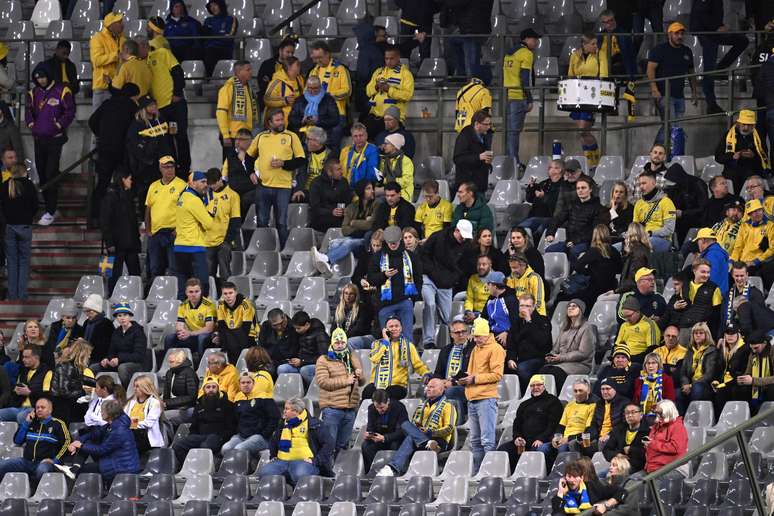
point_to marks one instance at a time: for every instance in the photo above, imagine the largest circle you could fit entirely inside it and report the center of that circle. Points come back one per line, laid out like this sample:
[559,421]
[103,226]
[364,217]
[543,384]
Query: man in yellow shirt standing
[191,226]
[104,48]
[390,85]
[236,105]
[472,97]
[278,153]
[335,80]
[160,218]
[435,213]
[517,75]
[223,203]
[755,242]
[132,69]
[523,280]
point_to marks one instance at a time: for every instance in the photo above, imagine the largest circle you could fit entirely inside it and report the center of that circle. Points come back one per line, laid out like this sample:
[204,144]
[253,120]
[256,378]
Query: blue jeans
[195,342]
[709,45]
[306,372]
[572,252]
[405,312]
[339,248]
[21,465]
[482,415]
[535,224]
[457,393]
[253,444]
[431,294]
[17,414]
[415,439]
[527,368]
[515,116]
[293,470]
[161,253]
[18,248]
[277,199]
[467,52]
[362,342]
[676,110]
[338,423]
[192,265]
[700,391]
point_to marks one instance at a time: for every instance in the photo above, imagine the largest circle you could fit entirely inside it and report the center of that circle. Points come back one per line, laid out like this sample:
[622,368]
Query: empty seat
[134,28]
[51,485]
[490,491]
[85,508]
[423,463]
[298,215]
[196,508]
[129,8]
[300,265]
[127,288]
[15,485]
[88,486]
[123,508]
[161,461]
[537,167]
[11,12]
[271,488]
[299,239]
[15,507]
[125,486]
[454,490]
[609,168]
[275,288]
[235,488]
[257,50]
[324,26]
[317,310]
[343,509]
[506,193]
[310,290]
[319,10]
[700,414]
[266,264]
[44,12]
[531,465]
[686,162]
[433,71]
[197,487]
[89,284]
[494,464]
[351,11]
[603,315]
[235,462]
[546,70]
[733,412]
[287,386]
[346,488]
[277,11]
[383,490]
[509,388]
[162,288]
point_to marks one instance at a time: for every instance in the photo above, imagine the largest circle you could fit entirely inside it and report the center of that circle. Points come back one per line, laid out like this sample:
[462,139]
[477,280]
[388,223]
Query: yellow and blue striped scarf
[384,369]
[577,501]
[409,288]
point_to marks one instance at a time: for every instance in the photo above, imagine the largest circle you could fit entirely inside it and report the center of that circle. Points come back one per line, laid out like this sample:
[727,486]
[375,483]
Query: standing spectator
[710,250]
[314,107]
[269,67]
[315,141]
[278,153]
[473,207]
[104,48]
[621,53]
[600,264]
[62,69]
[212,421]
[473,152]
[286,87]
[220,23]
[126,354]
[335,80]
[360,159]
[329,195]
[702,365]
[523,280]
[195,321]
[144,411]
[339,375]
[110,123]
[759,374]
[69,378]
[120,231]
[579,218]
[131,69]
[472,97]
[192,221]
[653,385]
[689,196]
[180,387]
[435,213]
[224,373]
[147,142]
[573,351]
[396,166]
[393,125]
[238,168]
[638,332]
[392,84]
[608,413]
[19,202]
[501,304]
[742,152]
[485,370]
[543,196]
[10,143]
[312,344]
[656,212]
[222,238]
[371,40]
[390,357]
[754,241]
[181,30]
[161,218]
[97,329]
[32,382]
[256,419]
[707,19]
[529,341]
[383,428]
[236,107]
[452,365]
[668,438]
[469,19]
[50,111]
[701,298]
[517,77]
[236,323]
[416,25]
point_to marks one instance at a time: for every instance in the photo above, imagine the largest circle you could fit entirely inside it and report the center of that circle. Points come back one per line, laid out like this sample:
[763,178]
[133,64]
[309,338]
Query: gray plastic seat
[530,465]
[262,239]
[89,284]
[330,234]
[343,509]
[537,166]
[160,508]
[310,290]
[298,215]
[86,508]
[15,485]
[50,508]
[458,464]
[351,11]
[243,285]
[257,50]
[390,23]
[198,462]
[419,489]
[234,462]
[265,264]
[288,386]
[10,13]
[733,412]
[14,507]
[196,508]
[277,11]
[346,488]
[300,266]
[713,465]
[494,464]
[324,26]
[423,463]
[53,311]
[308,489]
[762,441]
[51,485]
[455,490]
[275,288]
[123,508]
[307,509]
[348,462]
[609,168]
[432,71]
[518,9]
[546,70]
[697,437]
[128,288]
[412,509]
[603,316]
[198,487]
[164,317]
[318,310]
[299,239]
[232,509]
[270,489]
[525,491]
[125,486]
[235,488]
[162,288]
[161,461]
[687,162]
[383,490]
[699,414]
[88,486]
[509,388]
[566,393]
[506,193]
[381,459]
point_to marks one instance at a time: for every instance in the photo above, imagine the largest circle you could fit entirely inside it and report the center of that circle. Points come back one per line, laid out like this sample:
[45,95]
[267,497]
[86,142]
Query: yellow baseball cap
[706,233]
[675,27]
[753,205]
[480,327]
[642,272]
[746,116]
[163,160]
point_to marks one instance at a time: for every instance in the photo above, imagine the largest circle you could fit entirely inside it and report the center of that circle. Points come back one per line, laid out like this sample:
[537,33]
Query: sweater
[19,211]
[335,390]
[479,214]
[129,345]
[114,448]
[486,365]
[537,418]
[256,416]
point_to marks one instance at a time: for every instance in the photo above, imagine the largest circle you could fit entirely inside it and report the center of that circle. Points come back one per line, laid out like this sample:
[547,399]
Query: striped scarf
[732,296]
[760,370]
[731,145]
[454,364]
[696,364]
[239,102]
[287,431]
[433,422]
[576,501]
[651,392]
[409,288]
[384,369]
[343,356]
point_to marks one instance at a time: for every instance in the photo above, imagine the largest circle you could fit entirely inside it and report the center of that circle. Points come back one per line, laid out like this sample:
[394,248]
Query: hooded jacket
[755,241]
[185,26]
[718,258]
[690,194]
[370,56]
[128,346]
[580,218]
[440,255]
[324,195]
[57,68]
[180,386]
[377,278]
[228,381]
[118,220]
[486,365]
[313,343]
[332,377]
[213,415]
[104,48]
[222,24]
[49,110]
[479,215]
[114,448]
[282,347]
[110,123]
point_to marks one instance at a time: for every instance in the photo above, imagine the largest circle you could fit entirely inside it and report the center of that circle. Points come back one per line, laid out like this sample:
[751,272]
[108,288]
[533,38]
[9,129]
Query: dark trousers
[178,112]
[219,259]
[132,261]
[191,441]
[395,392]
[191,265]
[371,448]
[107,162]
[48,152]
[559,375]
[709,45]
[214,54]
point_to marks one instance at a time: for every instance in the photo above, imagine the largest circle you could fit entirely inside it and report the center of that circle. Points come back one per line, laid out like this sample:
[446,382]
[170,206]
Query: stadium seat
[125,486]
[525,491]
[276,11]
[609,168]
[762,441]
[161,461]
[343,509]
[197,487]
[704,493]
[550,387]
[159,8]
[257,50]
[44,12]
[456,490]
[383,490]
[603,317]
[253,27]
[265,264]
[128,288]
[432,72]
[351,11]
[508,388]
[129,8]
[518,9]
[234,488]
[696,437]
[196,508]
[330,234]
[271,488]
[50,508]
[288,386]
[490,491]
[506,193]
[234,462]
[159,508]
[134,28]
[51,485]
[377,509]
[86,508]
[324,26]
[163,287]
[424,463]
[674,10]
[89,284]
[699,414]
[123,508]
[687,162]
[232,509]
[713,465]
[531,465]
[361,418]
[380,460]
[412,509]
[348,462]
[53,311]
[601,465]
[733,412]
[317,310]
[494,464]
[419,489]
[88,486]
[349,53]
[300,266]
[11,12]
[448,509]
[59,29]
[566,393]
[15,485]
[390,23]
[346,488]
[275,288]
[242,10]
[310,290]
[546,70]
[298,215]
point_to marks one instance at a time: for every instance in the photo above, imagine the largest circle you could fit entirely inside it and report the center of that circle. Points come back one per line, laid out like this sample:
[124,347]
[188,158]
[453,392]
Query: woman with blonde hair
[636,251]
[260,368]
[354,317]
[410,238]
[703,364]
[67,383]
[144,411]
[600,264]
[653,385]
[31,336]
[621,211]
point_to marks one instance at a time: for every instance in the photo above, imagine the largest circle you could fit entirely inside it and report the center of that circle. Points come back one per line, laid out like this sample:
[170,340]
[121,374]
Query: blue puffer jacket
[222,24]
[718,258]
[185,26]
[113,445]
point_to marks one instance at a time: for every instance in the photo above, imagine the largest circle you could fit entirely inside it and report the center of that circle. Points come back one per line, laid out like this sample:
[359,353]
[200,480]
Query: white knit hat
[94,302]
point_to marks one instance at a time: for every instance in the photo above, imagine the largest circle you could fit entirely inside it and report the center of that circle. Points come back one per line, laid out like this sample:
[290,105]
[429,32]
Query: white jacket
[93,416]
[152,421]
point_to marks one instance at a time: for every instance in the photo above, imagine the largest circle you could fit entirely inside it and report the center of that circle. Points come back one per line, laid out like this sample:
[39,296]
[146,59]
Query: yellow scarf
[760,370]
[698,354]
[294,443]
[731,145]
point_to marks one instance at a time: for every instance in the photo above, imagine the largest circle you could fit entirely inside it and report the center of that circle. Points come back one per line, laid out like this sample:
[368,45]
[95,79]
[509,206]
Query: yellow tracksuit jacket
[530,283]
[226,124]
[399,374]
[400,93]
[193,221]
[282,86]
[748,241]
[472,97]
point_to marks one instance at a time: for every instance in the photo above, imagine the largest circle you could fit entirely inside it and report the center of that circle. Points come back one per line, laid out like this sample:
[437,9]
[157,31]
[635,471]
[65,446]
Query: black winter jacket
[616,414]
[144,150]
[239,172]
[543,206]
[623,379]
[21,209]
[377,278]
[673,317]
[327,113]
[281,348]
[537,418]
[470,17]
[404,216]
[617,442]
[110,123]
[579,218]
[99,333]
[118,221]
[313,343]
[389,427]
[129,345]
[67,381]
[256,416]
[362,323]
[690,193]
[601,270]
[568,195]
[468,147]
[180,386]
[529,340]
[442,364]
[638,256]
[711,366]
[441,255]
[706,15]
[55,67]
[35,384]
[213,415]
[5,388]
[325,194]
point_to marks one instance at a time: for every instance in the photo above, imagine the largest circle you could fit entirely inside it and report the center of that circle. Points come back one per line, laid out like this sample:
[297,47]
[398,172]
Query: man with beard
[744,304]
[236,329]
[212,423]
[656,212]
[742,151]
[655,165]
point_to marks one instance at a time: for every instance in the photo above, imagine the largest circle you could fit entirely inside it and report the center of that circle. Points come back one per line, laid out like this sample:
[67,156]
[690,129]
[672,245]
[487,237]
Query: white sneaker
[46,219]
[317,255]
[386,471]
[432,446]
[67,470]
[320,262]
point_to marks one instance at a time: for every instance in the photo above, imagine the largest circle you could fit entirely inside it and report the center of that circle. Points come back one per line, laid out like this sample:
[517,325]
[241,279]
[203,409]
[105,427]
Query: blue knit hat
[198,175]
[122,308]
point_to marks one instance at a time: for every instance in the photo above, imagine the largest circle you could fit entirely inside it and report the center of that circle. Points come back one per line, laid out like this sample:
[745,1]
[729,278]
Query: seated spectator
[452,365]
[638,332]
[521,243]
[573,351]
[689,195]
[106,389]
[477,292]
[431,428]
[756,188]
[702,298]
[626,439]
[576,418]
[536,419]
[736,354]
[716,206]
[236,326]
[278,337]
[656,212]
[579,218]
[11,142]
[482,245]
[313,108]
[473,153]
[501,307]
[353,315]
[144,410]
[410,238]
[219,23]
[656,165]
[523,280]
[63,332]
[543,196]
[126,354]
[111,447]
[32,381]
[599,264]
[383,430]
[260,367]
[71,374]
[179,24]
[668,439]
[753,244]
[635,253]
[31,337]
[529,341]
[195,321]
[212,421]
[472,207]
[393,125]
[567,188]
[652,303]
[745,305]
[671,352]
[339,375]
[45,440]
[312,343]
[180,387]
[742,151]
[702,365]
[608,413]
[300,447]
[727,229]
[396,166]
[398,273]
[360,159]
[574,494]
[395,211]
[653,384]
[224,373]
[620,372]
[360,275]
[758,375]
[621,211]
[328,196]
[390,357]
[256,419]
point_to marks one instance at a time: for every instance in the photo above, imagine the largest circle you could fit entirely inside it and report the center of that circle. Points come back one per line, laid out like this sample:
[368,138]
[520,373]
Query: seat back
[44,12]
[88,486]
[15,485]
[51,485]
[300,266]
[288,386]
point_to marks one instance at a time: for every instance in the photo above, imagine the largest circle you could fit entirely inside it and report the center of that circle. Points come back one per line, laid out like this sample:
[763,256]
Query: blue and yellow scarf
[651,391]
[409,288]
[434,419]
[286,437]
[383,373]
[576,501]
[454,363]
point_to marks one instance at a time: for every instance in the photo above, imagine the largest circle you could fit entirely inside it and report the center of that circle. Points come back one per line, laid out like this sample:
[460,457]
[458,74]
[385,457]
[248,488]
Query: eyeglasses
[753,187]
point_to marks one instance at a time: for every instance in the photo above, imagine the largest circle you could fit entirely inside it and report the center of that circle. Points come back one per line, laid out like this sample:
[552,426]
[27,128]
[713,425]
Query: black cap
[731,329]
[757,337]
[529,33]
[145,102]
[130,89]
[733,202]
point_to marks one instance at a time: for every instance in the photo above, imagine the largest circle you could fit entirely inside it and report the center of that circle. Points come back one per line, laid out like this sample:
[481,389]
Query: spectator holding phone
[390,357]
[668,438]
[383,429]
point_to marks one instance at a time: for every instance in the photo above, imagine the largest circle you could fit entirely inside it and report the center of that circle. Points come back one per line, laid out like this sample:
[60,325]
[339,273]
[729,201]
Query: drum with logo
[592,95]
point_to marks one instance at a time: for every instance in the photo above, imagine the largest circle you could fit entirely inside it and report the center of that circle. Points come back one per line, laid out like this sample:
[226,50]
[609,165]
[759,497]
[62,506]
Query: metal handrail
[54,181]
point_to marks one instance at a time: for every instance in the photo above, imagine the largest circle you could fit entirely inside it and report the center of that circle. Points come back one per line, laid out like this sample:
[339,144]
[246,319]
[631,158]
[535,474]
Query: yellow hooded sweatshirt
[104,49]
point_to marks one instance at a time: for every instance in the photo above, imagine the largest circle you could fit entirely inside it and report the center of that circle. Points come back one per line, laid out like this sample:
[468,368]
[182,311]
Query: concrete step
[75,260]
[22,310]
[65,235]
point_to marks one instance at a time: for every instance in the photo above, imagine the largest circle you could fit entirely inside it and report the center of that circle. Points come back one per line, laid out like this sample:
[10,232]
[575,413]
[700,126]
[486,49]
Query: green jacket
[479,214]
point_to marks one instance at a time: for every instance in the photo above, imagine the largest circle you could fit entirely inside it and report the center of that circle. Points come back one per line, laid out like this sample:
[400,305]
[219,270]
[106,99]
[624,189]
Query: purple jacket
[50,110]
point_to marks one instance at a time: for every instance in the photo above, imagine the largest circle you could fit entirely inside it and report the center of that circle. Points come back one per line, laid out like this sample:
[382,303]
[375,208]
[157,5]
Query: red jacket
[668,442]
